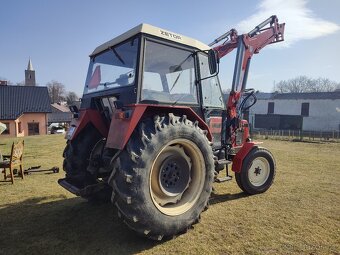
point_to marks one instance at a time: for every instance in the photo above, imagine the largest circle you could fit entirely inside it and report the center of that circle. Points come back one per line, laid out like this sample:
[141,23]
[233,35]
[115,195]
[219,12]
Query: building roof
[57,117]
[313,95]
[264,95]
[295,96]
[59,108]
[16,100]
[151,30]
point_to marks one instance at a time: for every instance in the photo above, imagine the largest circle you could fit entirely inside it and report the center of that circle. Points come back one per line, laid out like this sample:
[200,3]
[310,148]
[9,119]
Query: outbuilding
[318,111]
[23,109]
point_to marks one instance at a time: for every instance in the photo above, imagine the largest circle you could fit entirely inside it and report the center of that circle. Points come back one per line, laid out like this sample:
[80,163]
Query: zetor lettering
[170,35]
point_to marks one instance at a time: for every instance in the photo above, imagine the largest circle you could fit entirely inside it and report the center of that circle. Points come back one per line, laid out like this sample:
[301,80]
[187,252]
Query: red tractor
[153,130]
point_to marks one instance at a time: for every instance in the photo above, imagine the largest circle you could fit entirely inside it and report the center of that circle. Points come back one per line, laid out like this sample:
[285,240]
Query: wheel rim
[177,177]
[258,172]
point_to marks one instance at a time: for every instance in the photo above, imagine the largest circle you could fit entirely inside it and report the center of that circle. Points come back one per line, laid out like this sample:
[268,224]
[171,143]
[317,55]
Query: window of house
[7,130]
[19,127]
[270,107]
[305,109]
[33,128]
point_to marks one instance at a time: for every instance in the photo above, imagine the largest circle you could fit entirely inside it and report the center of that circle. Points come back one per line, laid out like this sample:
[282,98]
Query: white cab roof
[155,31]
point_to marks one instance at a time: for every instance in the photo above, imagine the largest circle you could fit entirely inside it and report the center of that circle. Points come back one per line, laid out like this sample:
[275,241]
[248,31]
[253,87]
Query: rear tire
[76,160]
[163,179]
[257,173]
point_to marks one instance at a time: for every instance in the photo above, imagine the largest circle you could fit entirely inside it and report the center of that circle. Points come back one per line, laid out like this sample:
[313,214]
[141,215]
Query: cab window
[211,90]
[169,74]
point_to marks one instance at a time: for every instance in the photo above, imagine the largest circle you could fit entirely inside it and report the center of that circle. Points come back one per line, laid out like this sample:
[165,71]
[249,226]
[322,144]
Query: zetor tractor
[153,130]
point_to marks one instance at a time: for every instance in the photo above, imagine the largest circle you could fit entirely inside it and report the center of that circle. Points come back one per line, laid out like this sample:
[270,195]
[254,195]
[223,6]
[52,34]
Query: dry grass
[300,214]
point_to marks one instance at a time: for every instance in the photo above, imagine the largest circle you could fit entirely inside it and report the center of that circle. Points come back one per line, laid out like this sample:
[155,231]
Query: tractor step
[68,186]
[223,179]
[85,191]
[224,162]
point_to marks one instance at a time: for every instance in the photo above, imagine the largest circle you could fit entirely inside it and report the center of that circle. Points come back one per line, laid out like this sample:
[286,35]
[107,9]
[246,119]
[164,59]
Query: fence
[300,135]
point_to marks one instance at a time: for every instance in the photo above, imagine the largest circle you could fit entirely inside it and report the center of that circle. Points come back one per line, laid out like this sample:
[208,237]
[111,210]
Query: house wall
[24,119]
[324,114]
[12,126]
[29,118]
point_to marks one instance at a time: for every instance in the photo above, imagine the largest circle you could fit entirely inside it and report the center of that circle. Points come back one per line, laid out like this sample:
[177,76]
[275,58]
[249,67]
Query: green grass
[299,214]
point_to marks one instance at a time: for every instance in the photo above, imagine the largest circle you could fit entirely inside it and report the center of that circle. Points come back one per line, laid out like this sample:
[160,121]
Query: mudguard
[241,154]
[87,116]
[125,121]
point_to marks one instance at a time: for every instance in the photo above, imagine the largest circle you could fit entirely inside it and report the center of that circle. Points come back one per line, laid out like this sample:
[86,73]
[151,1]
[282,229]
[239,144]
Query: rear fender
[125,121]
[87,116]
[241,154]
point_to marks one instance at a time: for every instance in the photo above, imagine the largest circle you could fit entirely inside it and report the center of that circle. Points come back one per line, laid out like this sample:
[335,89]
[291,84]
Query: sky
[59,35]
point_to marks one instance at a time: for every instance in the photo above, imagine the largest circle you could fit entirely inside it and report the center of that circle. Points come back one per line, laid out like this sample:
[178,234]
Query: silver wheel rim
[176,201]
[258,172]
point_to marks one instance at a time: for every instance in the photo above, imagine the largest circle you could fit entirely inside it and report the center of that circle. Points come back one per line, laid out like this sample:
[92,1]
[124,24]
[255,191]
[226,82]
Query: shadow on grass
[71,226]
[66,226]
[219,198]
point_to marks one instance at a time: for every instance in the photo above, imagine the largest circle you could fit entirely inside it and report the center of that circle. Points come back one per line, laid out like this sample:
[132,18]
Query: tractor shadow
[65,226]
[61,225]
[220,198]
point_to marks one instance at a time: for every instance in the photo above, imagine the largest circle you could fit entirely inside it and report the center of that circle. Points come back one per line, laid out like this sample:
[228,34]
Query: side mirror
[74,109]
[213,60]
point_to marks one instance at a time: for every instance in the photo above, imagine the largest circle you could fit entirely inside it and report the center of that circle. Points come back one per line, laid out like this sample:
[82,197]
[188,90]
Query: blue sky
[59,35]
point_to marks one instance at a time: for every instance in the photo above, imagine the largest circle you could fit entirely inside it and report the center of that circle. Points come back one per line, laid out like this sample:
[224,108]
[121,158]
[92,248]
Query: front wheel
[257,173]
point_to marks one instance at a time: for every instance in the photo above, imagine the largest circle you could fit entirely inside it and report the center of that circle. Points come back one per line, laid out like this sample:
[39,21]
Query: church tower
[29,74]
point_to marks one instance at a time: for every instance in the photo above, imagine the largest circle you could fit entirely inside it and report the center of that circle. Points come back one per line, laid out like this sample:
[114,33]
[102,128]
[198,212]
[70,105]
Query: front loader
[153,130]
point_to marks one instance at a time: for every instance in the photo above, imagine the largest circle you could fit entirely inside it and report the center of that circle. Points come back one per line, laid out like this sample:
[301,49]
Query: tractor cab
[148,65]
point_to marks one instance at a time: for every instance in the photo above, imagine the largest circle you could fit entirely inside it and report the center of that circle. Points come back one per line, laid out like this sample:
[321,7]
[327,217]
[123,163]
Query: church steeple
[30,66]
[29,74]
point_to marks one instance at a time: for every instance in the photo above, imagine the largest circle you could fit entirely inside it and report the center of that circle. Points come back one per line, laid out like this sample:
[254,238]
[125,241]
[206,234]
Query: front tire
[258,171]
[163,179]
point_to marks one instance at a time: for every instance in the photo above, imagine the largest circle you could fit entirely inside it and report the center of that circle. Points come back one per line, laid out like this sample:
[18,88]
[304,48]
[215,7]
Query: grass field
[300,214]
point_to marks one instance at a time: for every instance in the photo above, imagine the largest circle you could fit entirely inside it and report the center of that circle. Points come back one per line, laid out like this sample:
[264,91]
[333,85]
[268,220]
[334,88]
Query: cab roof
[155,31]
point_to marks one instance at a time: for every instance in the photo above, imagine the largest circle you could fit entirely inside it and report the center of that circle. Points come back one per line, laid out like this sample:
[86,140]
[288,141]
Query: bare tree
[22,83]
[302,84]
[56,91]
[326,85]
[71,97]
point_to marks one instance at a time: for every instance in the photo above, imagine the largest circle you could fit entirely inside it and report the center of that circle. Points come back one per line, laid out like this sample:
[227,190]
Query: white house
[319,111]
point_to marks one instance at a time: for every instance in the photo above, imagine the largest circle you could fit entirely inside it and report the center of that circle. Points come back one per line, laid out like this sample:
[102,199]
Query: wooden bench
[13,160]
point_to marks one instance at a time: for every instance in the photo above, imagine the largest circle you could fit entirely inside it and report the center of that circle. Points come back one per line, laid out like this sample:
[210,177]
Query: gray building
[319,111]
[60,114]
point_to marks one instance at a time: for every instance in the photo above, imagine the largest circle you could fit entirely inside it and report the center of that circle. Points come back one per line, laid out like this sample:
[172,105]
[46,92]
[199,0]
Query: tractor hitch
[36,169]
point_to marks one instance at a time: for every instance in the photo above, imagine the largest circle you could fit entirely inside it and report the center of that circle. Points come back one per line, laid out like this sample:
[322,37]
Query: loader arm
[268,32]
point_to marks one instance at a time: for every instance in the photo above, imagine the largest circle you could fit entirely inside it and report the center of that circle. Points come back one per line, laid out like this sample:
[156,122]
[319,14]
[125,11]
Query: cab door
[213,101]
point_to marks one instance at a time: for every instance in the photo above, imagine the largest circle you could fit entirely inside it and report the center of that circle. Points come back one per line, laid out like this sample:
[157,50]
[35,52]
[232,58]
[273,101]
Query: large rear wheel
[163,179]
